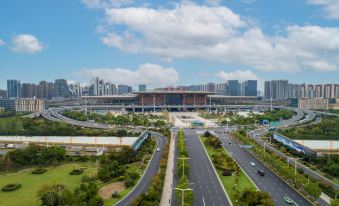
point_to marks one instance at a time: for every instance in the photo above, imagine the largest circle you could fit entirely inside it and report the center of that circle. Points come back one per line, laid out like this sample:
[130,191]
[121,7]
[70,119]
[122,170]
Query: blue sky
[169,42]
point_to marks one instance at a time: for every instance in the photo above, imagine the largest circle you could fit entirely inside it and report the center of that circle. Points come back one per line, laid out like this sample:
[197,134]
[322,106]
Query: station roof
[176,92]
[231,97]
[129,96]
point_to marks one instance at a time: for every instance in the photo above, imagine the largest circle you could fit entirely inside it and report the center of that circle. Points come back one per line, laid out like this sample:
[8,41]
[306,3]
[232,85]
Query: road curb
[169,173]
[276,173]
[148,164]
[216,173]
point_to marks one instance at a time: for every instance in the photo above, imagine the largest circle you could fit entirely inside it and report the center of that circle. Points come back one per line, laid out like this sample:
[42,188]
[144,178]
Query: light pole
[295,165]
[183,165]
[183,194]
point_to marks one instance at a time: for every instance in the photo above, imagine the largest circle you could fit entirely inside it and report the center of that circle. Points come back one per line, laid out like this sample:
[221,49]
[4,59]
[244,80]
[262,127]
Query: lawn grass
[228,181]
[134,167]
[30,183]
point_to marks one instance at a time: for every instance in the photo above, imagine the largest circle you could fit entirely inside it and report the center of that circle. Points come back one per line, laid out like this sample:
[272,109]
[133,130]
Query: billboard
[289,143]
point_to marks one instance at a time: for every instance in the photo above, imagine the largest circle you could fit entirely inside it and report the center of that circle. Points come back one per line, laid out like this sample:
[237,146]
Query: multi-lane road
[152,170]
[205,183]
[270,183]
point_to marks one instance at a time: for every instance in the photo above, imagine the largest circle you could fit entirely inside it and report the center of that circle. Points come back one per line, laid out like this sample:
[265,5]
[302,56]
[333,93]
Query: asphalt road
[152,170]
[270,183]
[206,186]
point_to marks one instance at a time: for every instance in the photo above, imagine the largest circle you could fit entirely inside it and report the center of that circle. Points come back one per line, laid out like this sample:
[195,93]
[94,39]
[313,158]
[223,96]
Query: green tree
[313,189]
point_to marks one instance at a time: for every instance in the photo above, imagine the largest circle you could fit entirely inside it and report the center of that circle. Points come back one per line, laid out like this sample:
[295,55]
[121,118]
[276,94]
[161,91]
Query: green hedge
[76,172]
[10,187]
[39,171]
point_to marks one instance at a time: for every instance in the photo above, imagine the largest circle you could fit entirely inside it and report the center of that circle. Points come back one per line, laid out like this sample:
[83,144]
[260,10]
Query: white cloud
[26,43]
[331,7]
[216,33]
[2,42]
[102,4]
[237,75]
[150,74]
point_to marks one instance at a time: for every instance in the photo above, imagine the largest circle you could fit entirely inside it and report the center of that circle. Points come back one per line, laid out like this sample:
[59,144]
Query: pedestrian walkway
[167,190]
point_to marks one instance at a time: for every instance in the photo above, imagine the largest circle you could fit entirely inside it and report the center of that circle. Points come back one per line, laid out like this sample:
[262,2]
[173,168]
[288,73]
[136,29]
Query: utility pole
[183,194]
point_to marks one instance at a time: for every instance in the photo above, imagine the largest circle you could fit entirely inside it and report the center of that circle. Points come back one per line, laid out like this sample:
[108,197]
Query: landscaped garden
[32,183]
[120,119]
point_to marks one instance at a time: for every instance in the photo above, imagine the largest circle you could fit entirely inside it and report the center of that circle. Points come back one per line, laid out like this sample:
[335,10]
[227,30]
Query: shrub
[129,181]
[39,171]
[10,187]
[87,178]
[121,178]
[76,172]
[227,172]
[115,194]
[134,175]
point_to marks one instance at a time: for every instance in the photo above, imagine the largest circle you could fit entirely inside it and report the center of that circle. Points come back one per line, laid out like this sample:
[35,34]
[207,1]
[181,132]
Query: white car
[158,149]
[252,164]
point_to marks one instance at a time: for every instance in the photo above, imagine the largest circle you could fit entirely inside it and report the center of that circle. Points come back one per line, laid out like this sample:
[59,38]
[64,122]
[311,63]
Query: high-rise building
[75,90]
[60,89]
[194,88]
[29,90]
[13,88]
[3,93]
[98,87]
[221,88]
[114,89]
[45,90]
[319,90]
[210,87]
[124,89]
[233,88]
[249,88]
[142,87]
[276,89]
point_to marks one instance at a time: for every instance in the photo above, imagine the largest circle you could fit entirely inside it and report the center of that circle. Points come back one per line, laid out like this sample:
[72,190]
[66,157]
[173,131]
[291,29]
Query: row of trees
[274,115]
[327,163]
[42,127]
[123,119]
[183,171]
[287,172]
[5,114]
[58,195]
[327,129]
[115,164]
[32,155]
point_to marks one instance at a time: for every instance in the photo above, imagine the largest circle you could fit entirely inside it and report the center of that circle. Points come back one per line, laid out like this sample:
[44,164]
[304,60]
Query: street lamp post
[295,165]
[183,194]
[183,165]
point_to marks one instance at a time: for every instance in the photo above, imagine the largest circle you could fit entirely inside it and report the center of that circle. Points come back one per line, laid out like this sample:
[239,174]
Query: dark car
[261,172]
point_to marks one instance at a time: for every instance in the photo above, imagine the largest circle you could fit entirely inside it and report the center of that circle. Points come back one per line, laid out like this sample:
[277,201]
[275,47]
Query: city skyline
[95,38]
